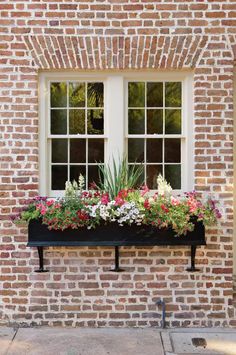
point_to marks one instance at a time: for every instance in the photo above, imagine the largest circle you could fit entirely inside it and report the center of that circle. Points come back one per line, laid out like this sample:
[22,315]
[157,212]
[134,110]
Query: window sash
[115,130]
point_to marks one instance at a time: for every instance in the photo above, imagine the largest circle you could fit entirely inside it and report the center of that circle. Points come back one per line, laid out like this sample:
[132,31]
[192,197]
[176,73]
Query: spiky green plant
[117,176]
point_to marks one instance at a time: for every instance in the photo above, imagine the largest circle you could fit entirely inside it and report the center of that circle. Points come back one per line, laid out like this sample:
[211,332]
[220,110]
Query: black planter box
[113,235]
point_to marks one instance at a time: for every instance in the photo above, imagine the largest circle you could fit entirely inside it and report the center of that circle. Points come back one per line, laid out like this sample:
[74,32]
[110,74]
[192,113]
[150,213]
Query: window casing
[117,135]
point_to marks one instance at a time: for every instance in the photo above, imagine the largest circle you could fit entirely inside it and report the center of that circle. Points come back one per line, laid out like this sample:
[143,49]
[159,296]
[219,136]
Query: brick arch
[137,52]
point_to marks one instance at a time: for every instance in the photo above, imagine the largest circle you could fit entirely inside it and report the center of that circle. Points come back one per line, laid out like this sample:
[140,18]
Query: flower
[105,199]
[163,188]
[80,208]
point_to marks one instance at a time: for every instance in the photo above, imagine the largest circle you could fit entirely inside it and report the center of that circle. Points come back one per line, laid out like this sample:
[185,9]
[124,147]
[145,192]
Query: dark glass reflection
[59,151]
[93,174]
[76,170]
[95,122]
[58,122]
[172,150]
[136,122]
[95,93]
[173,94]
[154,121]
[154,94]
[77,150]
[95,150]
[152,173]
[136,94]
[76,121]
[135,150]
[59,177]
[58,94]
[173,121]
[173,175]
[154,150]
[77,95]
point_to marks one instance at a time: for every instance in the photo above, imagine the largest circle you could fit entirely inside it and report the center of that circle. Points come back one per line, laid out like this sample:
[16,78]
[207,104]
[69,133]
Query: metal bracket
[193,254]
[117,261]
[41,263]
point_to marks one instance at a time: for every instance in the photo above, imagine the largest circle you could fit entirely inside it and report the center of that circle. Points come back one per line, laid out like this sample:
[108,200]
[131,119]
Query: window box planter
[113,235]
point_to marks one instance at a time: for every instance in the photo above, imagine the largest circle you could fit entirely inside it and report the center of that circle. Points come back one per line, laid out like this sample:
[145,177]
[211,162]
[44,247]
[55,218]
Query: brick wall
[80,291]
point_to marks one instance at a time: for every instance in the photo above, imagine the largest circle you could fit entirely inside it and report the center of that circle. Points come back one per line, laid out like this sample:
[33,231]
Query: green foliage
[117,177]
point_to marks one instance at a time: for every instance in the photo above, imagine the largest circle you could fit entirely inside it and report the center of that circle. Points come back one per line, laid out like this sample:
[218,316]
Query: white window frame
[115,117]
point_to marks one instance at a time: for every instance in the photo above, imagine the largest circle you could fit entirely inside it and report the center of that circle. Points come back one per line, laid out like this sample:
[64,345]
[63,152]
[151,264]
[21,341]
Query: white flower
[81,182]
[164,189]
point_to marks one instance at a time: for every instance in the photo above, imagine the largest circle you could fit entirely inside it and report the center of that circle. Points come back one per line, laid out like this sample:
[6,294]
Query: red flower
[164,208]
[146,204]
[82,215]
[122,194]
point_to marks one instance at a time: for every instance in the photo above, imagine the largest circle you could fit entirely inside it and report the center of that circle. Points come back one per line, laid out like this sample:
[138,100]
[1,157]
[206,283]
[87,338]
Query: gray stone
[203,342]
[6,336]
[82,341]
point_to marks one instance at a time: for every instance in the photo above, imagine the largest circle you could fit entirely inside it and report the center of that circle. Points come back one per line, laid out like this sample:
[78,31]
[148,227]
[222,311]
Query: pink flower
[105,199]
[174,201]
[144,190]
[42,208]
[193,205]
[119,201]
[49,203]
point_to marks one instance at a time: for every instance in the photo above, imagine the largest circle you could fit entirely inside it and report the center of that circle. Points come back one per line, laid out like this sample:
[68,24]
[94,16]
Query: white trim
[115,122]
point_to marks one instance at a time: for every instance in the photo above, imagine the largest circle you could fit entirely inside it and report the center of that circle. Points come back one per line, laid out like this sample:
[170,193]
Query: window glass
[76,115]
[154,125]
[81,123]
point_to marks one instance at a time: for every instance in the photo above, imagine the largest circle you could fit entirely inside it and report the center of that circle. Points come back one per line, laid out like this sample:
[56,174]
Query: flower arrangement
[81,208]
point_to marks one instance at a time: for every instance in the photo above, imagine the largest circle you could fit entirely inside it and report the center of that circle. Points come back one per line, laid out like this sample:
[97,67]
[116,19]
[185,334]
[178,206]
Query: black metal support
[193,254]
[41,263]
[117,261]
[163,306]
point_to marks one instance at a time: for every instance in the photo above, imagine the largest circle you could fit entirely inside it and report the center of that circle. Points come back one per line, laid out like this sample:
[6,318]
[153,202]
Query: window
[86,119]
[76,132]
[154,130]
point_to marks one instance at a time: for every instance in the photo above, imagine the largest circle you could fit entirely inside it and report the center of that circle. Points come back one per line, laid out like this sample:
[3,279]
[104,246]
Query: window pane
[77,95]
[95,94]
[173,94]
[76,170]
[93,174]
[58,94]
[152,173]
[59,151]
[141,179]
[59,177]
[154,150]
[154,94]
[135,150]
[136,94]
[154,121]
[95,150]
[58,122]
[136,121]
[77,150]
[173,175]
[173,122]
[95,122]
[172,151]
[77,121]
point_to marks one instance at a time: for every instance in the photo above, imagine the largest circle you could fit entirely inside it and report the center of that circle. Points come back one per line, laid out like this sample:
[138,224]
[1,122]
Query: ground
[114,341]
